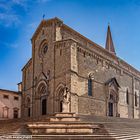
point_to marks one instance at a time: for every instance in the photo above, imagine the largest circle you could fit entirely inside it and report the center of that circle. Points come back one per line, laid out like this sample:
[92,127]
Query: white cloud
[11,45]
[14,45]
[22,3]
[43,1]
[7,19]
[9,16]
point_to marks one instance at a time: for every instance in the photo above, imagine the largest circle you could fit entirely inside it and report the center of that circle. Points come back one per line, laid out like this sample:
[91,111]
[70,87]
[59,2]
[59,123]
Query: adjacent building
[10,104]
[99,82]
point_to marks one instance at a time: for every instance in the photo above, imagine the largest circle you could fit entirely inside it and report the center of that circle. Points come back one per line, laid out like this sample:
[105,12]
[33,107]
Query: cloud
[8,15]
[11,45]
[43,1]
[21,3]
[7,19]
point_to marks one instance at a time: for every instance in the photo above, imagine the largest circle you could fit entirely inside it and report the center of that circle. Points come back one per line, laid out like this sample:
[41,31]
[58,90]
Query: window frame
[127,97]
[16,98]
[136,102]
[90,87]
[6,96]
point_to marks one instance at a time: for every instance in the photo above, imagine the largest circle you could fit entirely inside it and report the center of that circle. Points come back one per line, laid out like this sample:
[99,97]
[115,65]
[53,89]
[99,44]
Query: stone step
[126,137]
[60,130]
[68,119]
[61,124]
[106,119]
[64,114]
[132,137]
[124,131]
[64,122]
[71,137]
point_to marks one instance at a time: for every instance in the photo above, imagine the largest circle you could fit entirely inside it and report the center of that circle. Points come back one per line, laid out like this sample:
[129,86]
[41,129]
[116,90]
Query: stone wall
[27,86]
[91,59]
[7,105]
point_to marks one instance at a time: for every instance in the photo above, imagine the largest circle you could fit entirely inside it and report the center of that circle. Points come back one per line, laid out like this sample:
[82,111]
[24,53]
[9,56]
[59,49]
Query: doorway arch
[44,106]
[59,98]
[112,97]
[42,93]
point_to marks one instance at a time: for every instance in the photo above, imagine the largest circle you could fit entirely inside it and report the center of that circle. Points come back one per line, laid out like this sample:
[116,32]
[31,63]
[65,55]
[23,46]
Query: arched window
[89,87]
[28,101]
[127,96]
[42,89]
[136,103]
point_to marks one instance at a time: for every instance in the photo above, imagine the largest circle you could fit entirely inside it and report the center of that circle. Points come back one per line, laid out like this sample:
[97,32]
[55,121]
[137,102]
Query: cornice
[27,64]
[101,49]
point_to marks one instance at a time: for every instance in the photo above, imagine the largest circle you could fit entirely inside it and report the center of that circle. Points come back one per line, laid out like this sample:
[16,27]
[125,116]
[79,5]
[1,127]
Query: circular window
[43,50]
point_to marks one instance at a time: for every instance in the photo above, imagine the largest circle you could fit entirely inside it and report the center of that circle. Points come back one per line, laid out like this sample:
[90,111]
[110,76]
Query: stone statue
[66,100]
[66,95]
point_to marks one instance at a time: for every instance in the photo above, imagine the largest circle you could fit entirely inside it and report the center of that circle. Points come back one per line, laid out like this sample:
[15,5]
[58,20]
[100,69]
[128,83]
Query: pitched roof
[10,91]
[109,42]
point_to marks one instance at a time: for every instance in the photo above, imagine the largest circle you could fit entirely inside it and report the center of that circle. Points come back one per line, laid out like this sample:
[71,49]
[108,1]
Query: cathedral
[63,60]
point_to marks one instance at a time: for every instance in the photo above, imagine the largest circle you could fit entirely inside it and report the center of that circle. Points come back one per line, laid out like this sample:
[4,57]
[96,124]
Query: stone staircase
[62,123]
[19,133]
[101,128]
[62,126]
[118,128]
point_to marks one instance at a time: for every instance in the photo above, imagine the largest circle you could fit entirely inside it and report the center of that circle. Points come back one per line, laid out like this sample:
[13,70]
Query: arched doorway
[15,113]
[5,112]
[42,91]
[44,107]
[111,106]
[61,106]
[112,93]
[59,100]
[28,107]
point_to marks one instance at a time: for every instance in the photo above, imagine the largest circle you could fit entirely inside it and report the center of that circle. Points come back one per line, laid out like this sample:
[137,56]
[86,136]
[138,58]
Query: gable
[113,82]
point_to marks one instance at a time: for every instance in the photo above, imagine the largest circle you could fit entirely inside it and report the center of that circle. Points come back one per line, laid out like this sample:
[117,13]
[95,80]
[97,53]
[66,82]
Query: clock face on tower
[43,50]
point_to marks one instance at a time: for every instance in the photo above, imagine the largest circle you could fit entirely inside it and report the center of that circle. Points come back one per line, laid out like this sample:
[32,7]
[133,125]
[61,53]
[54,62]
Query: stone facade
[10,104]
[99,82]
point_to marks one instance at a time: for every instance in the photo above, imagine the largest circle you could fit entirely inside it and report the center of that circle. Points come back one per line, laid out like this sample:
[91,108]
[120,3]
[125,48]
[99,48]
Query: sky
[20,18]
